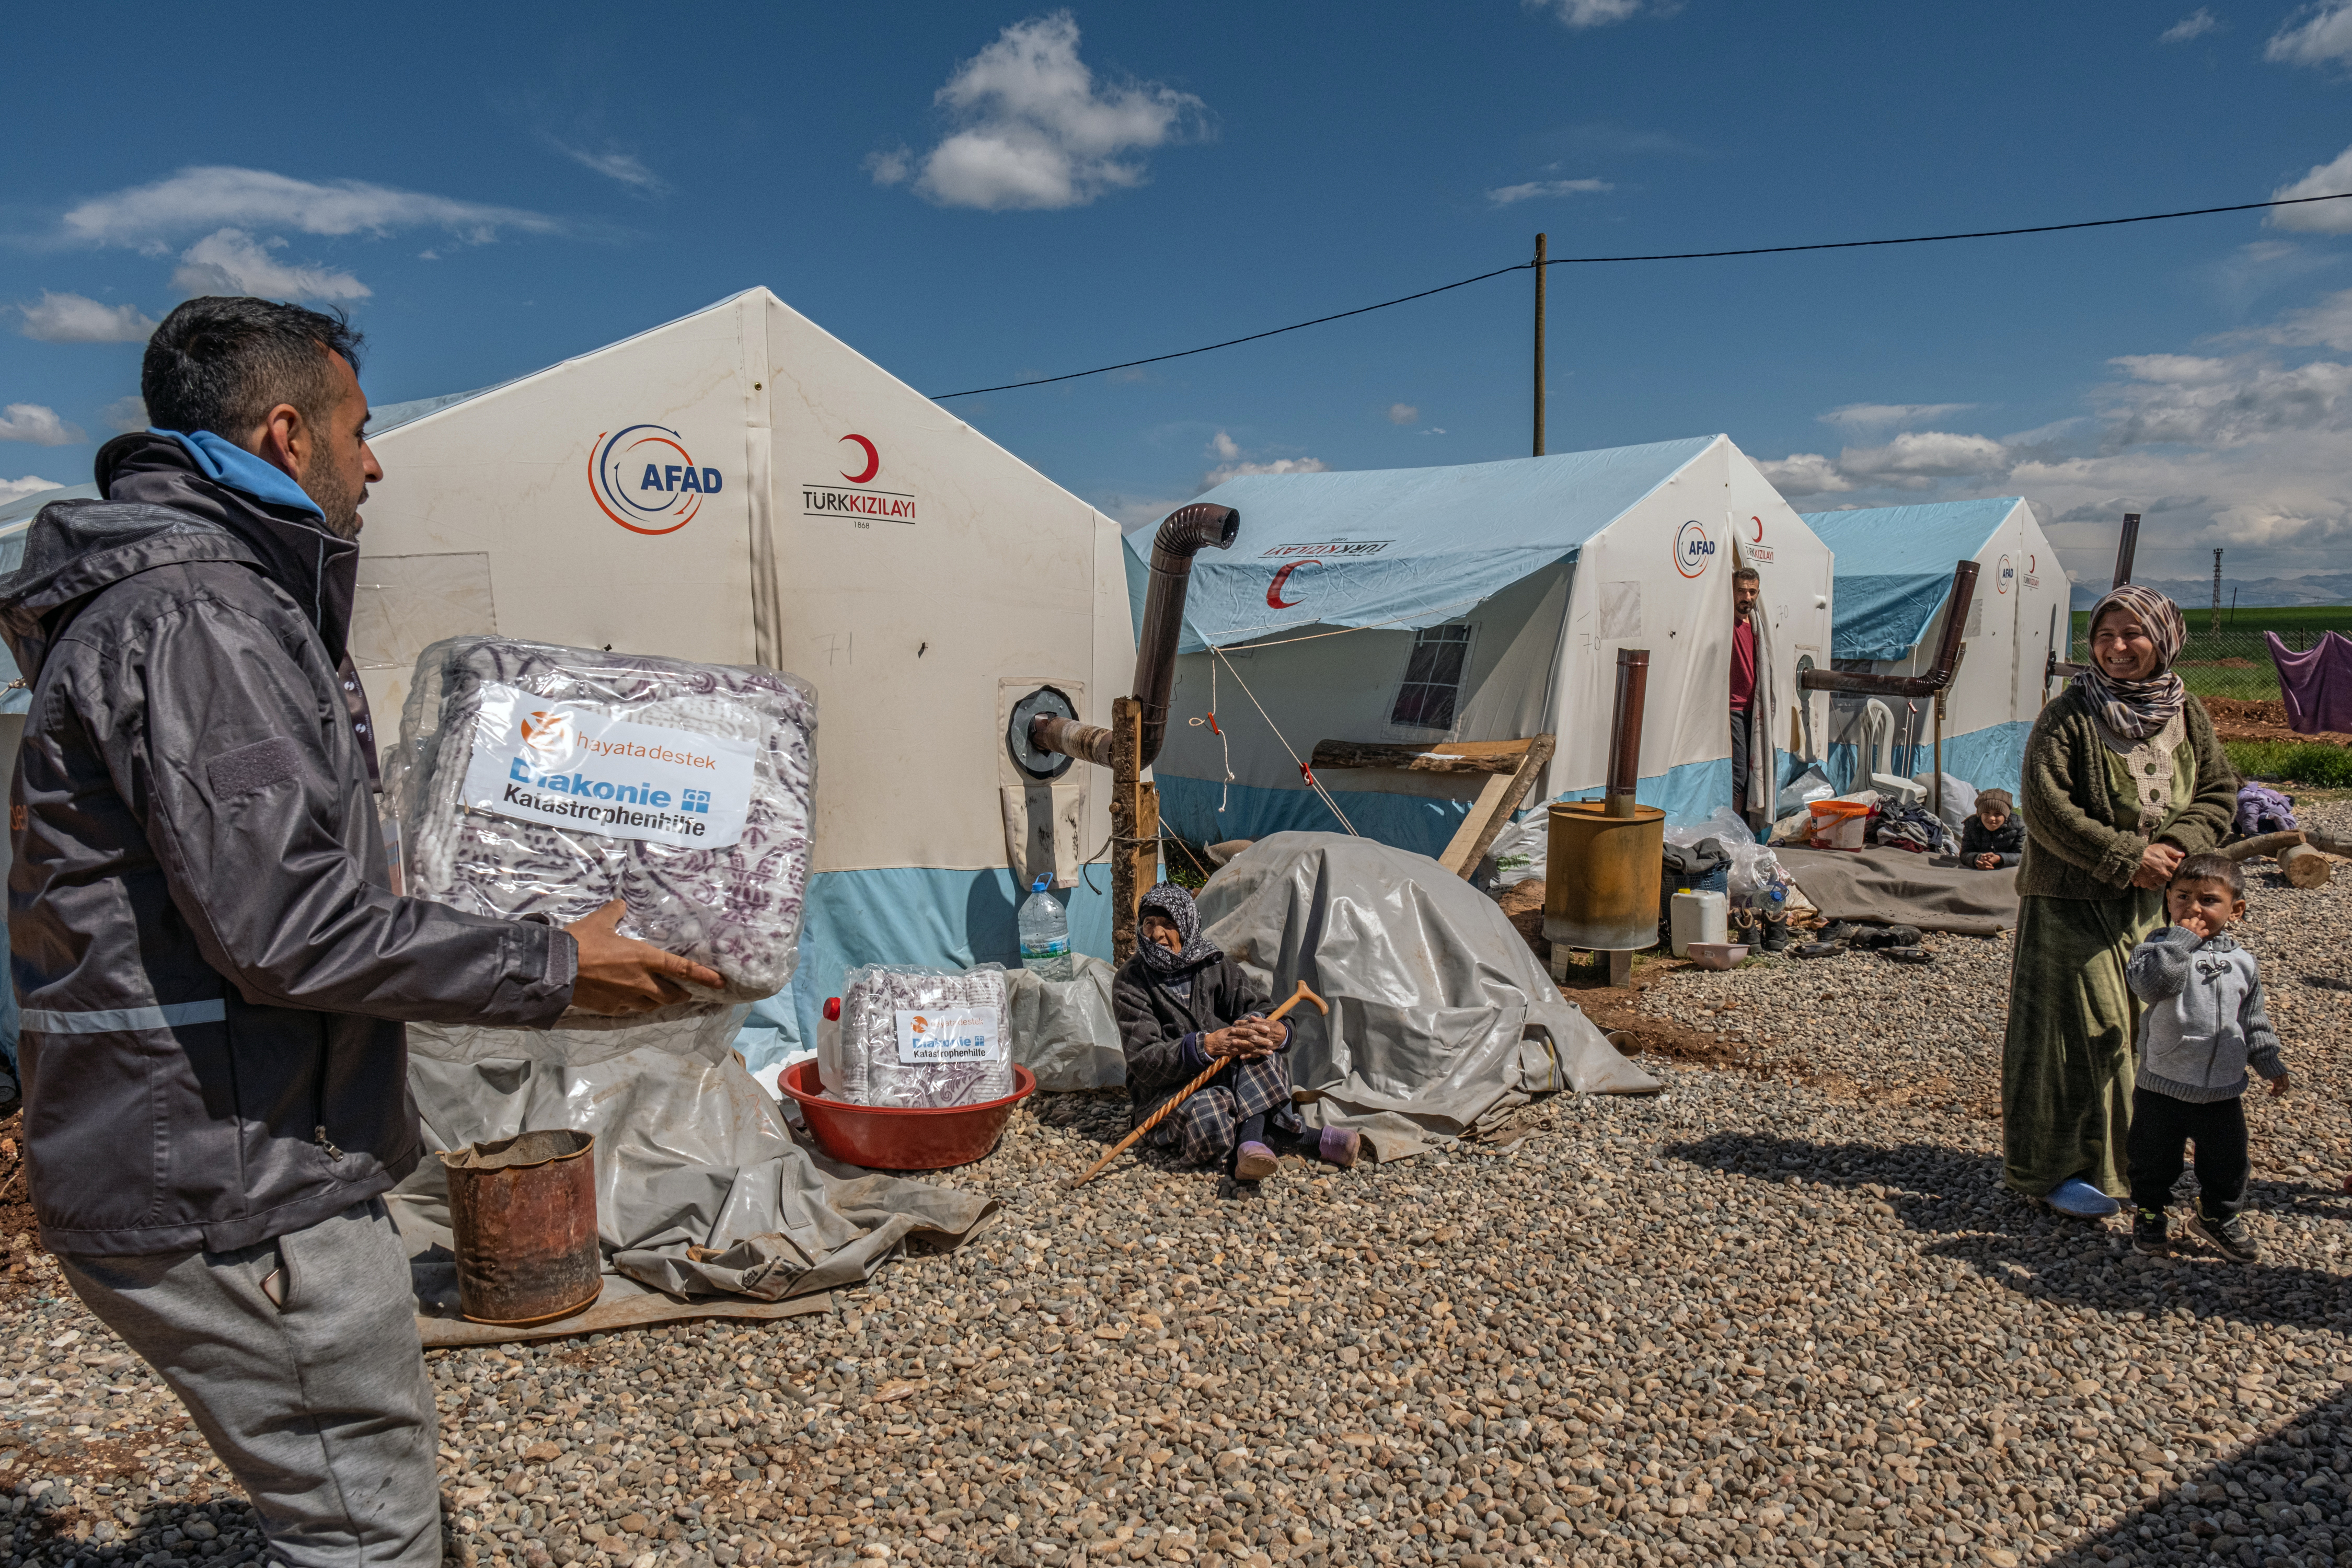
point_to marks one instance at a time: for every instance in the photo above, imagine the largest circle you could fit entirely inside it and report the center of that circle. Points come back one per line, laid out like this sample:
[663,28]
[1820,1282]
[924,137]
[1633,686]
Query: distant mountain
[2320,588]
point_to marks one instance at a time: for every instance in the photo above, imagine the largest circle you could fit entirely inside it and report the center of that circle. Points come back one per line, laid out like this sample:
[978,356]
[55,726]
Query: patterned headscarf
[1168,898]
[2138,708]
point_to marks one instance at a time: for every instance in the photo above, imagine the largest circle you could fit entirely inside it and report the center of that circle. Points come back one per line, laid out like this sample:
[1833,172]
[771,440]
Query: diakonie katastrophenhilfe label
[573,765]
[928,1035]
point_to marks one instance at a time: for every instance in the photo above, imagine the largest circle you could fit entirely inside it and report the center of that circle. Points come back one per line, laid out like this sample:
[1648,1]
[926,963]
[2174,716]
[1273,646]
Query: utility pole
[2217,592]
[1540,345]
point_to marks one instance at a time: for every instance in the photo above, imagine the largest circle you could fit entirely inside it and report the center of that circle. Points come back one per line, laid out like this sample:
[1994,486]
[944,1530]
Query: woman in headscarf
[2123,778]
[1183,1005]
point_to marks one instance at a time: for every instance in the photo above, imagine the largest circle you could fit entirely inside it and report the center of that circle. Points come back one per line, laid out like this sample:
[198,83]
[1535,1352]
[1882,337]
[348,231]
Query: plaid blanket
[1207,1124]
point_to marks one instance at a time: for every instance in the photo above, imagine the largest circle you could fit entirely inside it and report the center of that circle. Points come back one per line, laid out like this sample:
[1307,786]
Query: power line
[1668,256]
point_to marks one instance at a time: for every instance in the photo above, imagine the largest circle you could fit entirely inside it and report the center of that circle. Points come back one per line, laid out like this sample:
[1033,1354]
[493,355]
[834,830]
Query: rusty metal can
[524,1212]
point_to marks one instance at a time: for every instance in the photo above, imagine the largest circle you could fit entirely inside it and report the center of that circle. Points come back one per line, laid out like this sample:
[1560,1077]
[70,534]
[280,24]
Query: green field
[2292,762]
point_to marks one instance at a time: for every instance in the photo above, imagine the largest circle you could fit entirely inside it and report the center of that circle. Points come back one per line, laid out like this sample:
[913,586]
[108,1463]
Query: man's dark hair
[1747,574]
[220,364]
[2211,868]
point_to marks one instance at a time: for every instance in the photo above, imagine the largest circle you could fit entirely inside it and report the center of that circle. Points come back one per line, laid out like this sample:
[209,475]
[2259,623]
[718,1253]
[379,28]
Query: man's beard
[340,507]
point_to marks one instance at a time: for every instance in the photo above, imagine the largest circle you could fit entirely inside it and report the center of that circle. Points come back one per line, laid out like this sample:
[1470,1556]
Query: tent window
[1433,678]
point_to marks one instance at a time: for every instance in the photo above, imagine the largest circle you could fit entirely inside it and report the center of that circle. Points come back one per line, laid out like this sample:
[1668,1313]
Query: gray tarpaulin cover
[701,1190]
[1896,887]
[1064,1030]
[1440,1013]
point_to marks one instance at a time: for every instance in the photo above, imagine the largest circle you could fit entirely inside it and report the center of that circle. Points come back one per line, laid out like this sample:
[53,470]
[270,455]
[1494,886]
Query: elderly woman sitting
[1183,1004]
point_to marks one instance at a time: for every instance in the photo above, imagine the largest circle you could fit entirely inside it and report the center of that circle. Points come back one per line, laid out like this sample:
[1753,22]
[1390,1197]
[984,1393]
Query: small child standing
[2204,1025]
[1993,837]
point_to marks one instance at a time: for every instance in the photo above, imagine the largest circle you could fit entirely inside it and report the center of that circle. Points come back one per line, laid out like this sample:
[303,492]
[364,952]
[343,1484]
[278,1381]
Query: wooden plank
[1496,802]
[1448,757]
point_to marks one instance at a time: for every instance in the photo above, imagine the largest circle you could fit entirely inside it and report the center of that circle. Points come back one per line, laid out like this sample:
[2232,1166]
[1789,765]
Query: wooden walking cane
[1182,1095]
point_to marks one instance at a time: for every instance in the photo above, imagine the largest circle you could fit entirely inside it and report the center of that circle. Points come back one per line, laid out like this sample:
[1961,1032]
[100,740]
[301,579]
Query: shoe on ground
[1831,949]
[2151,1234]
[1902,936]
[1836,930]
[1907,955]
[2077,1199]
[1256,1163]
[2227,1235]
[1339,1146]
[1776,934]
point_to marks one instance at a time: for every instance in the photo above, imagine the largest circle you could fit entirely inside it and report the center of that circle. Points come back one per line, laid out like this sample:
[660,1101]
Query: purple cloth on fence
[2316,685]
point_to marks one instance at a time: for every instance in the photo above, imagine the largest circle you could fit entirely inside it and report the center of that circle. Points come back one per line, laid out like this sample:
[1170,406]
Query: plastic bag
[1754,868]
[1959,799]
[920,1039]
[536,780]
[1519,849]
[1801,791]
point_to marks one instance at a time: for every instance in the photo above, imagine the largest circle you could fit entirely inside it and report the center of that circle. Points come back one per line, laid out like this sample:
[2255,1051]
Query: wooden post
[1540,270]
[1134,825]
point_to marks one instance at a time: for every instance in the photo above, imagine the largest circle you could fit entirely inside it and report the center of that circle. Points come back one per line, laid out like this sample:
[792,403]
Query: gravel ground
[1782,1312]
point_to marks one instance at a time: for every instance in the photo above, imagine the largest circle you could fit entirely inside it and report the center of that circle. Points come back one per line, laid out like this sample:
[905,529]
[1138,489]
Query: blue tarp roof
[1894,567]
[1401,547]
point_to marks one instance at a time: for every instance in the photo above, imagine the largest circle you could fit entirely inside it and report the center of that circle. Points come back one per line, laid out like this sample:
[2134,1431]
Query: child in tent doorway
[1183,1004]
[2203,1027]
[1993,837]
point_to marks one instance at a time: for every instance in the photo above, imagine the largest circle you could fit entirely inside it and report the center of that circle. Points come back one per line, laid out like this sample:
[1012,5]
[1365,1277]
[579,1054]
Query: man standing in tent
[1745,587]
[211,967]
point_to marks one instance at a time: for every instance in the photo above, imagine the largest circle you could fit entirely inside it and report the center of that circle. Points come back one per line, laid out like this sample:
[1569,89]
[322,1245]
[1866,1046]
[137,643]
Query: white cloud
[1233,464]
[2241,448]
[2325,179]
[2327,324]
[196,199]
[2196,24]
[1035,131]
[37,424]
[2324,34]
[234,262]
[626,167]
[1879,415]
[1804,474]
[1503,195]
[1403,413]
[17,489]
[125,414]
[77,319]
[1599,13]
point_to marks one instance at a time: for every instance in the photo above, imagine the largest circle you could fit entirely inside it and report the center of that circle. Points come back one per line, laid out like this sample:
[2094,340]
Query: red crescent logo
[1758,535]
[2030,562]
[1274,590]
[873,461]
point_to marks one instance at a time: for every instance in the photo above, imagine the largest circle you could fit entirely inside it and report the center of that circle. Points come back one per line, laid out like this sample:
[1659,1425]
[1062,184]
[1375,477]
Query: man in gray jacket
[213,970]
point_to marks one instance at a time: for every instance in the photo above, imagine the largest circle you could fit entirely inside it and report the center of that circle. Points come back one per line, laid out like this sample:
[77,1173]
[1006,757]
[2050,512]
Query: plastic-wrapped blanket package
[532,780]
[919,1038]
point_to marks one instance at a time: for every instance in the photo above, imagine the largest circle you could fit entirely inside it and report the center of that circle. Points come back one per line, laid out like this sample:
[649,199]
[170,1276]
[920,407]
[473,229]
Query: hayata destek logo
[1693,549]
[547,732]
[642,479]
[2005,575]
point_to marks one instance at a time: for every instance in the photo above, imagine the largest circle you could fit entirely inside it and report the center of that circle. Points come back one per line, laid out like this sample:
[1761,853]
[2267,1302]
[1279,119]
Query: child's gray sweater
[2205,1020]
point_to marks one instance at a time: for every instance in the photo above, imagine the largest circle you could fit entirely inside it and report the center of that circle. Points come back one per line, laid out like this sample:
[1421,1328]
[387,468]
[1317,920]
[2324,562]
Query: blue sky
[971,195]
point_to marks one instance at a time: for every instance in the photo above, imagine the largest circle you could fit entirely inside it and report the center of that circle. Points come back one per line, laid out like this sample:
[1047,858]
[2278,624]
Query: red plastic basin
[894,1138]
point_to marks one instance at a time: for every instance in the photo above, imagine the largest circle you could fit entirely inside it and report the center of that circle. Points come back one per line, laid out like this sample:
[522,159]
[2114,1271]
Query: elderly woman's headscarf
[2138,708]
[1168,898]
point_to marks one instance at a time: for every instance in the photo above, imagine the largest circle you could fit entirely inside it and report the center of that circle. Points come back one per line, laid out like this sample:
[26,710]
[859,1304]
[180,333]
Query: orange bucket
[1841,823]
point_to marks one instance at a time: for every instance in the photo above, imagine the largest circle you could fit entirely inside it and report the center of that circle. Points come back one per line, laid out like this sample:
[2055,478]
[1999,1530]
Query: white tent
[1480,602]
[1894,591]
[740,486]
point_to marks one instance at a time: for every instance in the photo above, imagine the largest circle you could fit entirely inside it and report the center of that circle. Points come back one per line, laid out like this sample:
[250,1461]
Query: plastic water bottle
[1045,934]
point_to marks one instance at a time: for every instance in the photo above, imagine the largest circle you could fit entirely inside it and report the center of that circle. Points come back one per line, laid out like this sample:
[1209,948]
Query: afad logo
[1274,599]
[644,479]
[1693,549]
[548,732]
[2005,575]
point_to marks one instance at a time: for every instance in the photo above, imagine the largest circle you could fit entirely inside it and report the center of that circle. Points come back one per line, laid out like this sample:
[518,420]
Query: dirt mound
[2235,719]
[19,1232]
